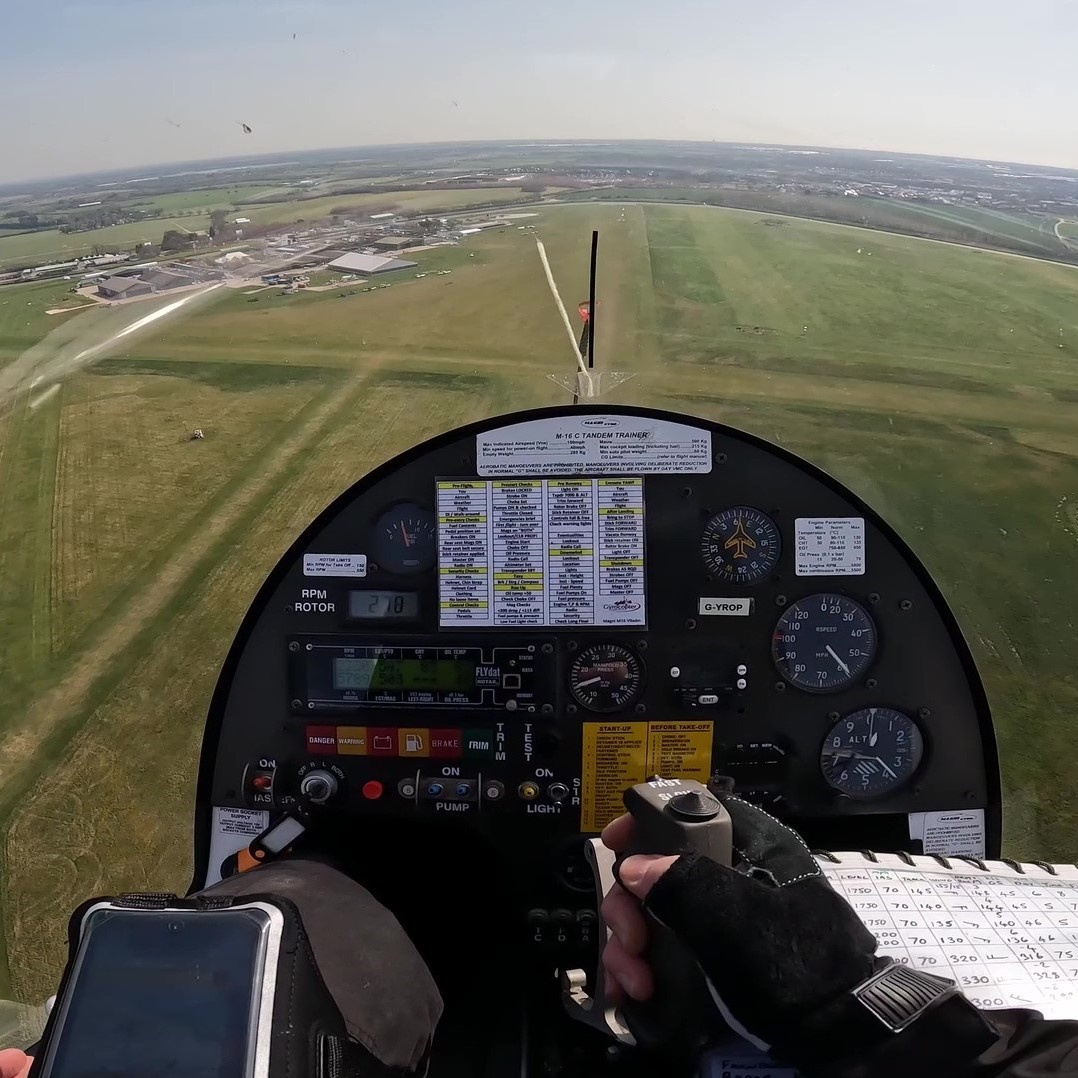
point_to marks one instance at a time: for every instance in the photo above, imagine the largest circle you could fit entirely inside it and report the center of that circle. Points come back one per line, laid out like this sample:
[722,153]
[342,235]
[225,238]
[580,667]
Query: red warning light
[585,310]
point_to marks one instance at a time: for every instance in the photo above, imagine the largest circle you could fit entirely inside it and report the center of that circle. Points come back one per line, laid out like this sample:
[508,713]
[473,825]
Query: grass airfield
[928,377]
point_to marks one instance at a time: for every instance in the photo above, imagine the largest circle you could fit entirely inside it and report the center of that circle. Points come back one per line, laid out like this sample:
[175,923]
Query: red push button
[373,790]
[262,782]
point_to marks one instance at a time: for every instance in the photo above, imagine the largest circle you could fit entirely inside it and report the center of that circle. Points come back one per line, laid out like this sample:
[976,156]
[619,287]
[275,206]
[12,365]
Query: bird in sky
[246,128]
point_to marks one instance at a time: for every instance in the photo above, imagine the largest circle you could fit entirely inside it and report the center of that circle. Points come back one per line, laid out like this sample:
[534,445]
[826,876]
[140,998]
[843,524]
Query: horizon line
[369,147]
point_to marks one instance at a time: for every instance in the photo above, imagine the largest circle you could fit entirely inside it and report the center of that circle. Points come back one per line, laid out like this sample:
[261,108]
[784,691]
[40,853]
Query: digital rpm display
[740,545]
[824,643]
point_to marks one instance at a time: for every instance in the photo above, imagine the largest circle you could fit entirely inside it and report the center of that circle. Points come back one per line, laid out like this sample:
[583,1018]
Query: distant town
[129,236]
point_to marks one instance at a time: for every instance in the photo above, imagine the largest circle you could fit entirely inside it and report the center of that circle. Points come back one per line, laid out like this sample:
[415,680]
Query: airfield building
[123,287]
[368,264]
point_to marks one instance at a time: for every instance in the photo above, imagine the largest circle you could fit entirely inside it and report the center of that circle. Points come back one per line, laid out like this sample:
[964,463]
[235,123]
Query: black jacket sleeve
[951,1044]
[1029,1046]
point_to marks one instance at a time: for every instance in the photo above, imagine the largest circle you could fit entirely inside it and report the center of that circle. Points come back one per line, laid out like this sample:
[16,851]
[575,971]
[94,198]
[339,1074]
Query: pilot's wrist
[891,1026]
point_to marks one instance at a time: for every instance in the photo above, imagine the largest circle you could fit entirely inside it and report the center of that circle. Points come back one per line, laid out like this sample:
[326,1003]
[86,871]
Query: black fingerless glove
[776,942]
[783,951]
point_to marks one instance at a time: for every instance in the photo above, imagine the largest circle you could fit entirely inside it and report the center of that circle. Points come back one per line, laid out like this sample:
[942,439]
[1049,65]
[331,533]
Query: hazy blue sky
[94,84]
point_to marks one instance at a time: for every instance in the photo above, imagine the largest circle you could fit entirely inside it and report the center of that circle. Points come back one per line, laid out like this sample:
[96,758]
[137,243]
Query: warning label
[618,755]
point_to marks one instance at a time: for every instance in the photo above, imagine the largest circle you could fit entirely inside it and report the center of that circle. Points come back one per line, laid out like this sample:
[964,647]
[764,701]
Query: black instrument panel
[761,622]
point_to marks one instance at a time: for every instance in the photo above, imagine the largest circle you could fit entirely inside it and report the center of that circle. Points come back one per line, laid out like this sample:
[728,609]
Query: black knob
[318,786]
[694,805]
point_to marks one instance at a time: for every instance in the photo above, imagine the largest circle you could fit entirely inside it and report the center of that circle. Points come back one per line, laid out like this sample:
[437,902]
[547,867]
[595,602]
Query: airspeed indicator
[824,643]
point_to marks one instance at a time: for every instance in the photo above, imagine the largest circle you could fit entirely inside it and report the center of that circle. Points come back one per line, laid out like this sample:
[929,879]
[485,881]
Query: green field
[28,247]
[928,377]
[313,209]
[57,246]
[1032,228]
[217,198]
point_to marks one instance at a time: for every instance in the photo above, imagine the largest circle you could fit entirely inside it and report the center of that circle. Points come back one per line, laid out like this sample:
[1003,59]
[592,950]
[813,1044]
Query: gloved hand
[780,948]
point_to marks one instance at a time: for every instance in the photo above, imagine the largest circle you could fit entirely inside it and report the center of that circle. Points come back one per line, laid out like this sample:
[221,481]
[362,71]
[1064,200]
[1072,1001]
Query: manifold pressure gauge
[606,677]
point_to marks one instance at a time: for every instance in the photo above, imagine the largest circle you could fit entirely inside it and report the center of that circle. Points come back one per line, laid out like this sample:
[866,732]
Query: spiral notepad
[1005,933]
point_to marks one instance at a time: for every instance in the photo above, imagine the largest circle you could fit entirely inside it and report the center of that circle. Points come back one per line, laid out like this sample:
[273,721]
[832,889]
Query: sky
[98,84]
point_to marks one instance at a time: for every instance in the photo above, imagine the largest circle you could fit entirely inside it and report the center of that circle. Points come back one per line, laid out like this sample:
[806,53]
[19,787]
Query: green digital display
[432,675]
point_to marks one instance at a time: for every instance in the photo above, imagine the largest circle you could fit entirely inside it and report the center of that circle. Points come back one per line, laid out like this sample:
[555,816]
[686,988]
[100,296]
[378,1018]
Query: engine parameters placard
[559,552]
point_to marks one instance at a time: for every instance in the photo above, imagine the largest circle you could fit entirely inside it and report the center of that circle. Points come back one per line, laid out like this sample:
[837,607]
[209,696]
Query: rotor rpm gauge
[606,677]
[871,753]
[404,539]
[824,643]
[740,545]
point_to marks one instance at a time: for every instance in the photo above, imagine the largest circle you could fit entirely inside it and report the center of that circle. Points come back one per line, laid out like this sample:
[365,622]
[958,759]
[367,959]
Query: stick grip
[675,816]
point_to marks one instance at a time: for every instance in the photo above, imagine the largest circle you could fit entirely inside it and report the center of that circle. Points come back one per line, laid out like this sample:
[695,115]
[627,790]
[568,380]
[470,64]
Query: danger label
[618,755]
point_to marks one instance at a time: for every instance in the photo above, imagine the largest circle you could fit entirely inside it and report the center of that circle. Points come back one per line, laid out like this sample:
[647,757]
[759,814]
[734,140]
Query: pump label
[617,755]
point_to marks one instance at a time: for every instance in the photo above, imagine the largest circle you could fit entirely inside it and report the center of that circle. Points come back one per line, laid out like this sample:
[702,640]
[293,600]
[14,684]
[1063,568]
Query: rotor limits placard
[531,552]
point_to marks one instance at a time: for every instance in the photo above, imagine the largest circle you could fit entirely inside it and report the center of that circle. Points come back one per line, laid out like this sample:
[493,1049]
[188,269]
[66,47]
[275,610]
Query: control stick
[672,816]
[675,816]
